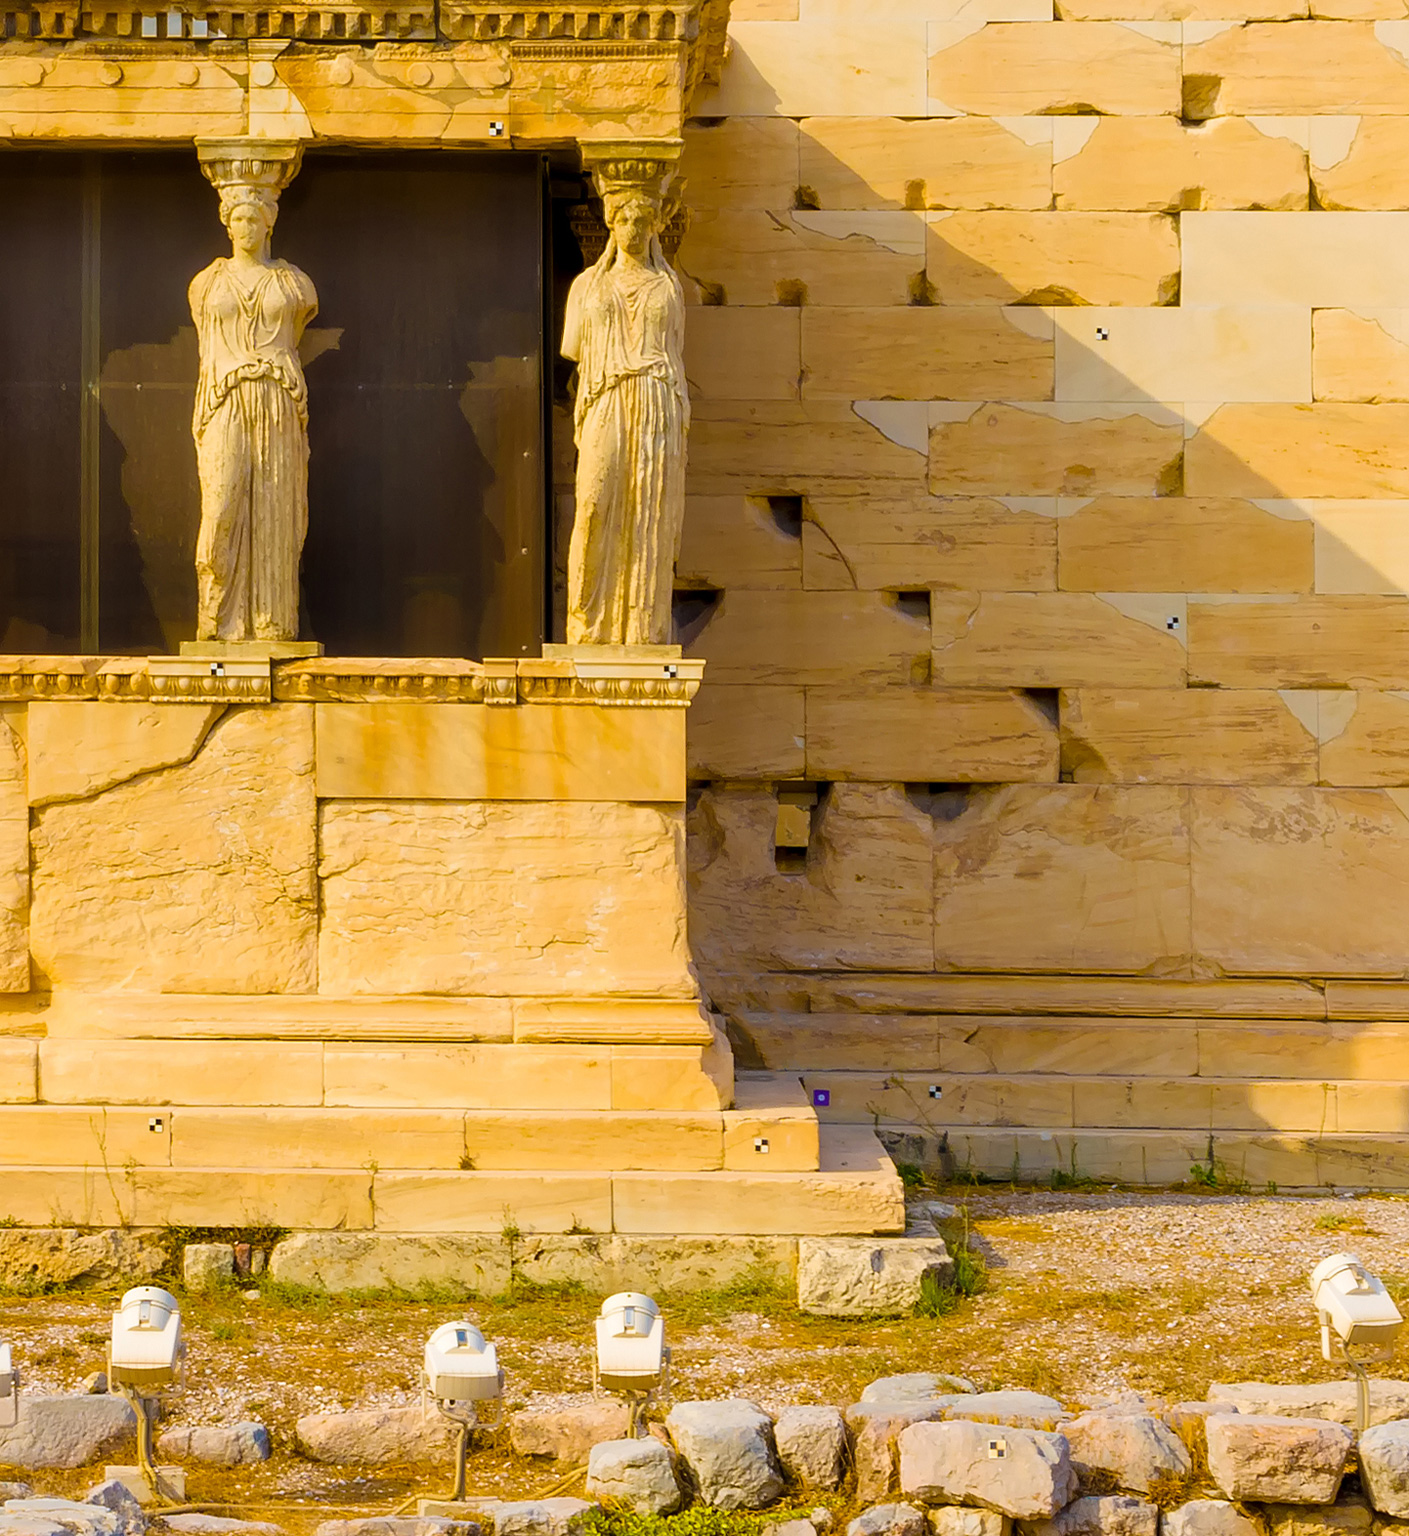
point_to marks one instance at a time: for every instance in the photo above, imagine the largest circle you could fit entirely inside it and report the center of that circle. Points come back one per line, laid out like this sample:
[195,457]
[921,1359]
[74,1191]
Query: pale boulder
[639,1474]
[1350,1515]
[1028,1410]
[10,1491]
[1207,1517]
[888,1520]
[1104,1515]
[874,1428]
[811,1444]
[221,1525]
[68,1515]
[414,1525]
[60,1256]
[207,1266]
[66,1431]
[1136,1449]
[540,1517]
[1384,1468]
[221,1445]
[728,1448]
[867,1277]
[569,1433]
[1264,1456]
[1024,1473]
[915,1386]
[956,1520]
[1333,1400]
[373,1436]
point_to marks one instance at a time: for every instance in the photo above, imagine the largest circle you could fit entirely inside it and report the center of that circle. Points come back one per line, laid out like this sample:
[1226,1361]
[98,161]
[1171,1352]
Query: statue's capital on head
[622,168]
[263,165]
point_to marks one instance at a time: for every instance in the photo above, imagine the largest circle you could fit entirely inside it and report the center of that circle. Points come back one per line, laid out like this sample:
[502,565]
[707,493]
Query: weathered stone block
[66,1431]
[63,1257]
[68,1517]
[737,731]
[914,1387]
[537,897]
[1360,356]
[374,1437]
[728,1448]
[193,878]
[1207,1517]
[1025,1410]
[811,1444]
[638,1474]
[1137,1449]
[857,1277]
[1326,449]
[1023,1473]
[1333,1400]
[14,853]
[1320,260]
[1350,1515]
[1099,1516]
[875,1427]
[744,354]
[569,1433]
[223,1445]
[888,1520]
[1264,1456]
[1315,642]
[737,541]
[741,162]
[1294,66]
[1362,168]
[206,1266]
[540,1517]
[955,1520]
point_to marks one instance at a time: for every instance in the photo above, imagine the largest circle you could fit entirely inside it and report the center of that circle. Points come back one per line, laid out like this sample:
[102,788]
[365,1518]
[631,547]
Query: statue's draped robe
[251,431]
[625,328]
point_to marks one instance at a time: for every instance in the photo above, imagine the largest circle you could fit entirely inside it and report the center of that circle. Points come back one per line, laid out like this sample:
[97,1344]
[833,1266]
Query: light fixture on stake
[145,1359]
[461,1374]
[9,1389]
[1355,1308]
[633,1361]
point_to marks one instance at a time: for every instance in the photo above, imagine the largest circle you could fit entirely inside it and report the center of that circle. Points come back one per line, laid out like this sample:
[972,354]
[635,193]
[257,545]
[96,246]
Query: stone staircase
[1281,1083]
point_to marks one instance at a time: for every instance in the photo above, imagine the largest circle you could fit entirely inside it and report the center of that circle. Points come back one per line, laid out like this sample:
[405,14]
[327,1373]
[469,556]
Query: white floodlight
[145,1359]
[633,1360]
[460,1377]
[1353,1305]
[9,1389]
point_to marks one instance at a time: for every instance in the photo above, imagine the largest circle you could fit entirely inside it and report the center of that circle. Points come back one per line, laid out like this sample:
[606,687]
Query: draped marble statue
[625,328]
[251,416]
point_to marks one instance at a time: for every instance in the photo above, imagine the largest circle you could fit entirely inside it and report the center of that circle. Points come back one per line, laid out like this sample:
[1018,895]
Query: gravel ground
[1092,1297]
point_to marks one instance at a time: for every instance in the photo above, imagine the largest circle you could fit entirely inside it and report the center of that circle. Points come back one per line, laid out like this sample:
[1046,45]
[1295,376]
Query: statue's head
[633,219]
[248,214]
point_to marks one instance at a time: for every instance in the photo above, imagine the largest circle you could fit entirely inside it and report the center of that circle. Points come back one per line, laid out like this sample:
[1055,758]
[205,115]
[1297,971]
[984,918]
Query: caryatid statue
[251,417]
[625,329]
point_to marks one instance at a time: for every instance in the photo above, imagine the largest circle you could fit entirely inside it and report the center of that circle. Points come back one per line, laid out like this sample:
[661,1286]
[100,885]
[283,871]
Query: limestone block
[381,1525]
[741,162]
[67,1517]
[1384,1468]
[738,731]
[954,162]
[530,752]
[77,750]
[1361,546]
[801,447]
[239,1197]
[1323,260]
[1263,1456]
[1298,881]
[670,1077]
[1230,352]
[393,1138]
[206,1266]
[862,66]
[1023,1473]
[65,1136]
[811,1443]
[66,1431]
[1104,872]
[1137,1449]
[223,1525]
[1371,746]
[223,1445]
[14,856]
[865,899]
[921,735]
[1056,639]
[478,1202]
[882,541]
[113,1496]
[1361,356]
[540,1517]
[1350,1515]
[568,1434]
[955,1520]
[1294,67]
[1036,449]
[15,1491]
[490,1077]
[889,1520]
[340,1262]
[1004,257]
[1159,164]
[373,1437]
[1313,642]
[1183,544]
[1321,450]
[64,1258]
[193,878]
[875,1428]
[851,1277]
[1331,1400]
[749,257]
[1025,1410]
[180,1072]
[1358,163]
[937,352]
[742,354]
[658,1263]
[728,1448]
[1017,69]
[737,541]
[1184,736]
[1207,1517]
[648,1138]
[534,897]
[637,1474]
[1099,1516]
[812,637]
[975,1045]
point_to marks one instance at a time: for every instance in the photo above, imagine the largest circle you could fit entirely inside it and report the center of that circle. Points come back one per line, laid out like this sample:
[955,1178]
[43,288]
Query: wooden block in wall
[737,541]
[1042,449]
[1300,881]
[743,354]
[938,162]
[933,352]
[1359,162]
[1360,355]
[1057,639]
[746,731]
[1301,642]
[880,540]
[1296,451]
[923,734]
[1184,736]
[1294,67]
[1103,871]
[1024,68]
[1183,544]
[1158,164]
[741,162]
[1003,257]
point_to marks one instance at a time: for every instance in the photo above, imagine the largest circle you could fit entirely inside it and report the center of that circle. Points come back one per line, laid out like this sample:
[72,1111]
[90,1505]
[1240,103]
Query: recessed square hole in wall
[944,802]
[914,605]
[798,804]
[786,512]
[691,610]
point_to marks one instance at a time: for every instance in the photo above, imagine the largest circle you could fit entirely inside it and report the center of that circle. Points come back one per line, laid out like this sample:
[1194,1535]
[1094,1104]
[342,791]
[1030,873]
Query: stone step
[1041,1101]
[856,1190]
